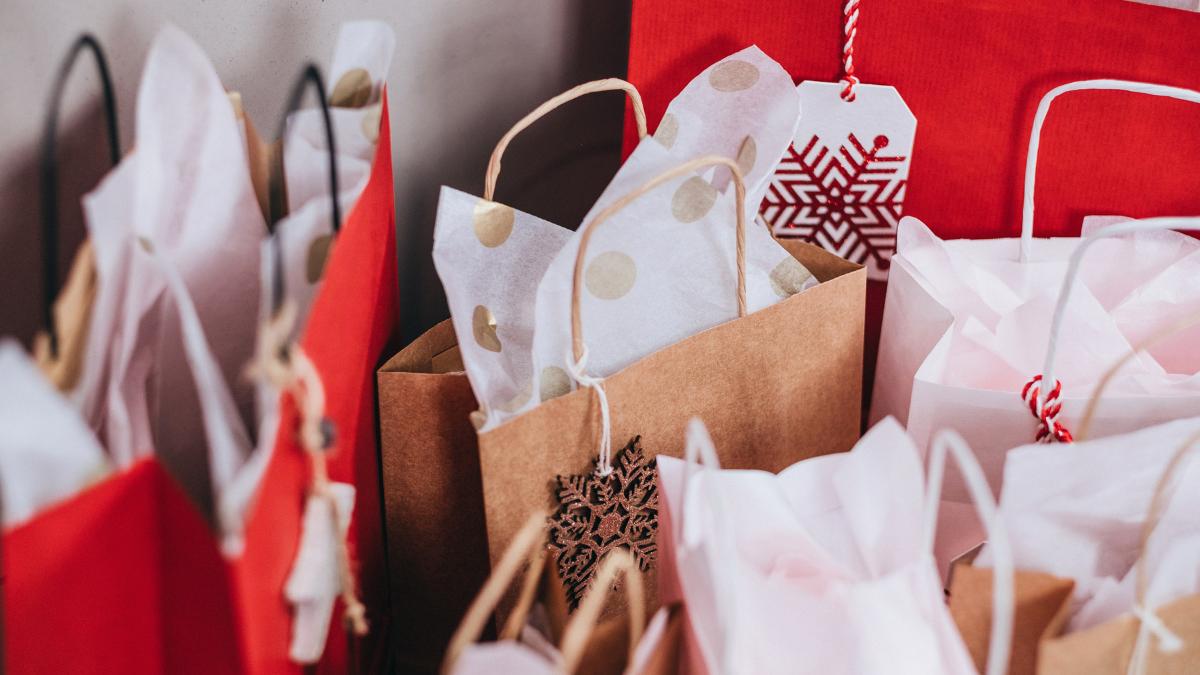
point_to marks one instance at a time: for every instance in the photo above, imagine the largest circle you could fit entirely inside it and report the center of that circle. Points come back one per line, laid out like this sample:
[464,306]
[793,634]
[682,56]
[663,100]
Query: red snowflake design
[847,200]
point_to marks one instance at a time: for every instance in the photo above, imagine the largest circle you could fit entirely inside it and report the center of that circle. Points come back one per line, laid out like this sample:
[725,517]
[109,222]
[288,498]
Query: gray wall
[464,71]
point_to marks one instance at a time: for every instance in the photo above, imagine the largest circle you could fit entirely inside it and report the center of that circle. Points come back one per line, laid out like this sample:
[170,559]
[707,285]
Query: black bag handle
[311,75]
[49,167]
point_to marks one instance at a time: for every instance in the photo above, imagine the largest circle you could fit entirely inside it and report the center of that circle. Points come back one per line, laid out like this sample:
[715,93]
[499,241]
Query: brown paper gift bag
[437,542]
[1161,640]
[1041,603]
[586,644]
[775,387]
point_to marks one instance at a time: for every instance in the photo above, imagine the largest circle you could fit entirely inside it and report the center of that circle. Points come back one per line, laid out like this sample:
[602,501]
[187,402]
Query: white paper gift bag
[828,564]
[967,332]
[1079,512]
[1106,544]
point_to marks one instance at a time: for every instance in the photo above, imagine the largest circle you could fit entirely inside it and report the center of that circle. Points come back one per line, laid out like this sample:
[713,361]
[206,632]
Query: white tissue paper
[661,270]
[47,452]
[185,195]
[359,70]
[305,236]
[820,565]
[1077,512]
[967,326]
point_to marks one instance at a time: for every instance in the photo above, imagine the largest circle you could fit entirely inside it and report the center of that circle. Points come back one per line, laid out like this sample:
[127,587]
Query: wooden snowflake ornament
[597,514]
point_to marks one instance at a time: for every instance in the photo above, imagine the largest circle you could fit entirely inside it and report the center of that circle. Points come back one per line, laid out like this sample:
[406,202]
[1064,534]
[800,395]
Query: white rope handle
[1068,283]
[699,451]
[1149,623]
[1039,119]
[578,370]
[947,441]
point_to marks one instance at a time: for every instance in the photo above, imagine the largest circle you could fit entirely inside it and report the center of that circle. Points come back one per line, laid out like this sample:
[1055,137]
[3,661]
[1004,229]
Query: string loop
[849,80]
[578,371]
[1151,624]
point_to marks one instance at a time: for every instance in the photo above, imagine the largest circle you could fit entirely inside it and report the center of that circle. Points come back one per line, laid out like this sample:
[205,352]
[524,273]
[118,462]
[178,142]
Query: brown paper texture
[437,544]
[1041,600]
[777,386]
[1107,648]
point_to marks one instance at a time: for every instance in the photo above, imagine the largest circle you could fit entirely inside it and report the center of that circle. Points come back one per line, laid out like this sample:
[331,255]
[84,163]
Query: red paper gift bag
[972,72]
[351,320]
[127,577]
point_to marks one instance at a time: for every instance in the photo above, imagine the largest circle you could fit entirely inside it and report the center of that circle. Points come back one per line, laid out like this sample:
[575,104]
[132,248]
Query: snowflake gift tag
[841,184]
[597,514]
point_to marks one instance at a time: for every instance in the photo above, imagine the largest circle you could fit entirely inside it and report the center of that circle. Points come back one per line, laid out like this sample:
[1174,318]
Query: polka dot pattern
[733,75]
[493,222]
[483,324]
[747,155]
[788,277]
[353,89]
[668,131]
[693,200]
[554,382]
[610,275]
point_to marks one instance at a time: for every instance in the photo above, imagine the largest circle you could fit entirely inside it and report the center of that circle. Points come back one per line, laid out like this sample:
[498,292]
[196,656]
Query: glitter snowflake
[847,200]
[597,514]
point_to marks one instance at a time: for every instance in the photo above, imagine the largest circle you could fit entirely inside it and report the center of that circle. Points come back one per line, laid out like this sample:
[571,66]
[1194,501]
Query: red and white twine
[851,30]
[1046,410]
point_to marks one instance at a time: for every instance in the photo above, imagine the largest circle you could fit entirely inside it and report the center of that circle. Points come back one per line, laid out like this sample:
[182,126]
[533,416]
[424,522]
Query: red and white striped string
[1046,409]
[849,80]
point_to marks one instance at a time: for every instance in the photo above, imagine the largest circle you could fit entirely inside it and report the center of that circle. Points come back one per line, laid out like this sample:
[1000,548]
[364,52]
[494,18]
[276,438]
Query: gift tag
[841,184]
[314,582]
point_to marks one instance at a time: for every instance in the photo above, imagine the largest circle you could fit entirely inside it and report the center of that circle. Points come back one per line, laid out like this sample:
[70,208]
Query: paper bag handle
[1068,283]
[49,168]
[583,622]
[1039,119]
[1149,622]
[949,442]
[310,76]
[609,84]
[527,546]
[610,210]
[699,450]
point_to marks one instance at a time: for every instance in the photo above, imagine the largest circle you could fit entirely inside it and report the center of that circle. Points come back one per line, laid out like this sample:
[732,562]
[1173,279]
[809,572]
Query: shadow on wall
[555,169]
[471,73]
[82,162]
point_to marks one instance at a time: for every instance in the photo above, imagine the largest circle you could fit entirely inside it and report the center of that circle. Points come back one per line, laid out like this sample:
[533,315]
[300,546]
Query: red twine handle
[1050,430]
[851,30]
